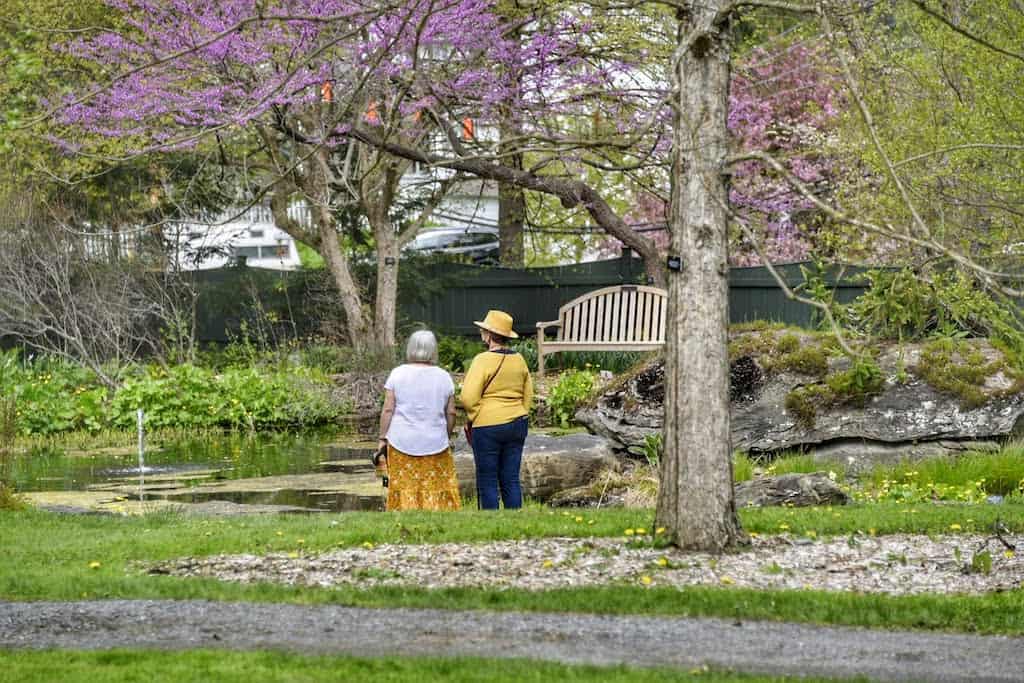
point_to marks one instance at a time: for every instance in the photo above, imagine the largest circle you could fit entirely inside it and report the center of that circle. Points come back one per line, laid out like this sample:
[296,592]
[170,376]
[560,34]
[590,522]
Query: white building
[248,234]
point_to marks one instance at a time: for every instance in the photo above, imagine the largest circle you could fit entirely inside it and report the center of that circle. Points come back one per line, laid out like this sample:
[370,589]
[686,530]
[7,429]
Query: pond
[308,472]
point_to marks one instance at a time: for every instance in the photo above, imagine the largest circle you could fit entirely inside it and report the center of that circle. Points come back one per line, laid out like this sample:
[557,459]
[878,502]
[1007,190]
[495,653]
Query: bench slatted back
[622,314]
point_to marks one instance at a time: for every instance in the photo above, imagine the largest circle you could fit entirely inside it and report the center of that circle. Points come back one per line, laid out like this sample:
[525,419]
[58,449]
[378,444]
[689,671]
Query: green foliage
[804,403]
[8,430]
[780,350]
[851,386]
[911,306]
[959,368]
[742,467]
[969,194]
[854,385]
[800,463]
[573,389]
[981,562]
[455,352]
[970,477]
[807,360]
[51,395]
[189,396]
[654,446]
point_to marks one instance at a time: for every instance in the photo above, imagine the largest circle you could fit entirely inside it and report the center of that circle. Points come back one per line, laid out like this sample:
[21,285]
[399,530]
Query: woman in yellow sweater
[497,393]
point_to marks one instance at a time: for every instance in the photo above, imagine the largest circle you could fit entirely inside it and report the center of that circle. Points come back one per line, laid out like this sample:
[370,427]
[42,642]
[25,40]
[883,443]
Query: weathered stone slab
[550,463]
[796,490]
[892,425]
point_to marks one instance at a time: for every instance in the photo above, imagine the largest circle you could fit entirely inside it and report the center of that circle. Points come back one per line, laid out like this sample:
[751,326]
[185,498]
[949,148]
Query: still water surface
[192,462]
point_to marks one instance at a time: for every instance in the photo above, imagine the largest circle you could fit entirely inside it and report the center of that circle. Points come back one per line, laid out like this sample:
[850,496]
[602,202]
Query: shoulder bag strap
[491,378]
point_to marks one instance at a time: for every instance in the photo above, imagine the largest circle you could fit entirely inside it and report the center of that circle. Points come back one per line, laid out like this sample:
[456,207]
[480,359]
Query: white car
[477,243]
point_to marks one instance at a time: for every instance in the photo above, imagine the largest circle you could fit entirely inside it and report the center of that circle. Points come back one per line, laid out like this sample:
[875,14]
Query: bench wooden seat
[620,318]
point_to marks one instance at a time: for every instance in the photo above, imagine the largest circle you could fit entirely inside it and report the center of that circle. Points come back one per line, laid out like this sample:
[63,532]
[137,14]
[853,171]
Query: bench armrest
[553,323]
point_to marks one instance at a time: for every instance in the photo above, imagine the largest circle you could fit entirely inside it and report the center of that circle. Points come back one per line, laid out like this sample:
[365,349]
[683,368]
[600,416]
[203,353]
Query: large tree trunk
[695,499]
[386,306]
[511,218]
[360,332]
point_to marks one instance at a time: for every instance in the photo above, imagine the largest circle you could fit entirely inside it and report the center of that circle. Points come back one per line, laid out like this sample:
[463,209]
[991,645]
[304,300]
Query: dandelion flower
[641,530]
[548,564]
[662,562]
[659,531]
[629,532]
[94,565]
[727,581]
[646,580]
[955,527]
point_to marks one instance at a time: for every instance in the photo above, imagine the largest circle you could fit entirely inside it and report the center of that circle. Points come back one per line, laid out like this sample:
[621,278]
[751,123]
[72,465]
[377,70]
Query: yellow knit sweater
[508,396]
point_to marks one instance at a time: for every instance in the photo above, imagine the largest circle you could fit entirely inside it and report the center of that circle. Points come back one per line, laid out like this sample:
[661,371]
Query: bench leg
[540,355]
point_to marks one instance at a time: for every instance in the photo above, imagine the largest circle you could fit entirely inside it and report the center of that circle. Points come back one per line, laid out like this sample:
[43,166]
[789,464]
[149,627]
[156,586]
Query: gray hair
[422,347]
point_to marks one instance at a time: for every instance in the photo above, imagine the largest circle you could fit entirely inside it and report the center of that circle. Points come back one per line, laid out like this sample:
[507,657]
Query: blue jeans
[498,453]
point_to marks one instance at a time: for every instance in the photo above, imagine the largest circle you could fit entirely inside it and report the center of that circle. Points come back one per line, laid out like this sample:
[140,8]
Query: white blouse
[419,425]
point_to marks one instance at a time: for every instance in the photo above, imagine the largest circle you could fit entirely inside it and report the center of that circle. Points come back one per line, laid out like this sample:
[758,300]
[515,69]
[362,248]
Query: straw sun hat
[498,322]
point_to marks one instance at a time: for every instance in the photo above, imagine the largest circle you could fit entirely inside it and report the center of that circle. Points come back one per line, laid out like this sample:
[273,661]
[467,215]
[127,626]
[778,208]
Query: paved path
[773,648]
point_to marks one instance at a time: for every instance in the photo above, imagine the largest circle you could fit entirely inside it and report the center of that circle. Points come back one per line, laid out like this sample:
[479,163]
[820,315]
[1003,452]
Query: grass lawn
[55,557]
[201,666]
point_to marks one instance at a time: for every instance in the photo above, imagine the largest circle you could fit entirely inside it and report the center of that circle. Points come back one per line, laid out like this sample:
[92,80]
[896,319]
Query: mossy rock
[959,368]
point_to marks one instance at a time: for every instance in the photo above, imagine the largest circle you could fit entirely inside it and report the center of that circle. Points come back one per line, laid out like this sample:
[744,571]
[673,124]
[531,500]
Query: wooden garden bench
[620,318]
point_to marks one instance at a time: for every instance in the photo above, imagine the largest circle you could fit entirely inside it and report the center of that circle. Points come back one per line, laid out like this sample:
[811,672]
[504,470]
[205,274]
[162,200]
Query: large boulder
[550,463]
[908,417]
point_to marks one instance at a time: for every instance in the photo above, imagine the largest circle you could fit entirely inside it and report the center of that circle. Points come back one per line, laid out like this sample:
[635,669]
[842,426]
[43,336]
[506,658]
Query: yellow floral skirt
[422,482]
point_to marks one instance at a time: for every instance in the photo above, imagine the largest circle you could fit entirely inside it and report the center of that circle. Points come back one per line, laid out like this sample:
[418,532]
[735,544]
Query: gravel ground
[895,565]
[775,648]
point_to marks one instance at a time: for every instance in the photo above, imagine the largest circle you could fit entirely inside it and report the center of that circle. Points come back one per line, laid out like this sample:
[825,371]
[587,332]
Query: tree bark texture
[385,310]
[695,499]
[511,218]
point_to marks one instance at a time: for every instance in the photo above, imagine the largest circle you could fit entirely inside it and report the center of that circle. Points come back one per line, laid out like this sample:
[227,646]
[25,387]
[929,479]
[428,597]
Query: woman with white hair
[415,429]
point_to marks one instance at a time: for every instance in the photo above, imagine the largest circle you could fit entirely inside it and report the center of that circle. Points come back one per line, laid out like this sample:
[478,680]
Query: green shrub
[188,396]
[52,395]
[910,306]
[654,446]
[573,389]
[455,352]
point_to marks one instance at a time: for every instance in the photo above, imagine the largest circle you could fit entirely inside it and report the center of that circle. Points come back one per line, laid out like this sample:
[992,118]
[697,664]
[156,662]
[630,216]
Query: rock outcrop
[550,464]
[907,417]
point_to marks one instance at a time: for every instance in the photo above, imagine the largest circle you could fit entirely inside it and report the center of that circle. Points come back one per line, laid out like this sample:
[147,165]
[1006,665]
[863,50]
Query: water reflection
[313,471]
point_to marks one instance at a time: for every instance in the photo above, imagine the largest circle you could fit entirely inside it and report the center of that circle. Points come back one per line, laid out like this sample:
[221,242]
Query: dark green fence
[536,294]
[448,297]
